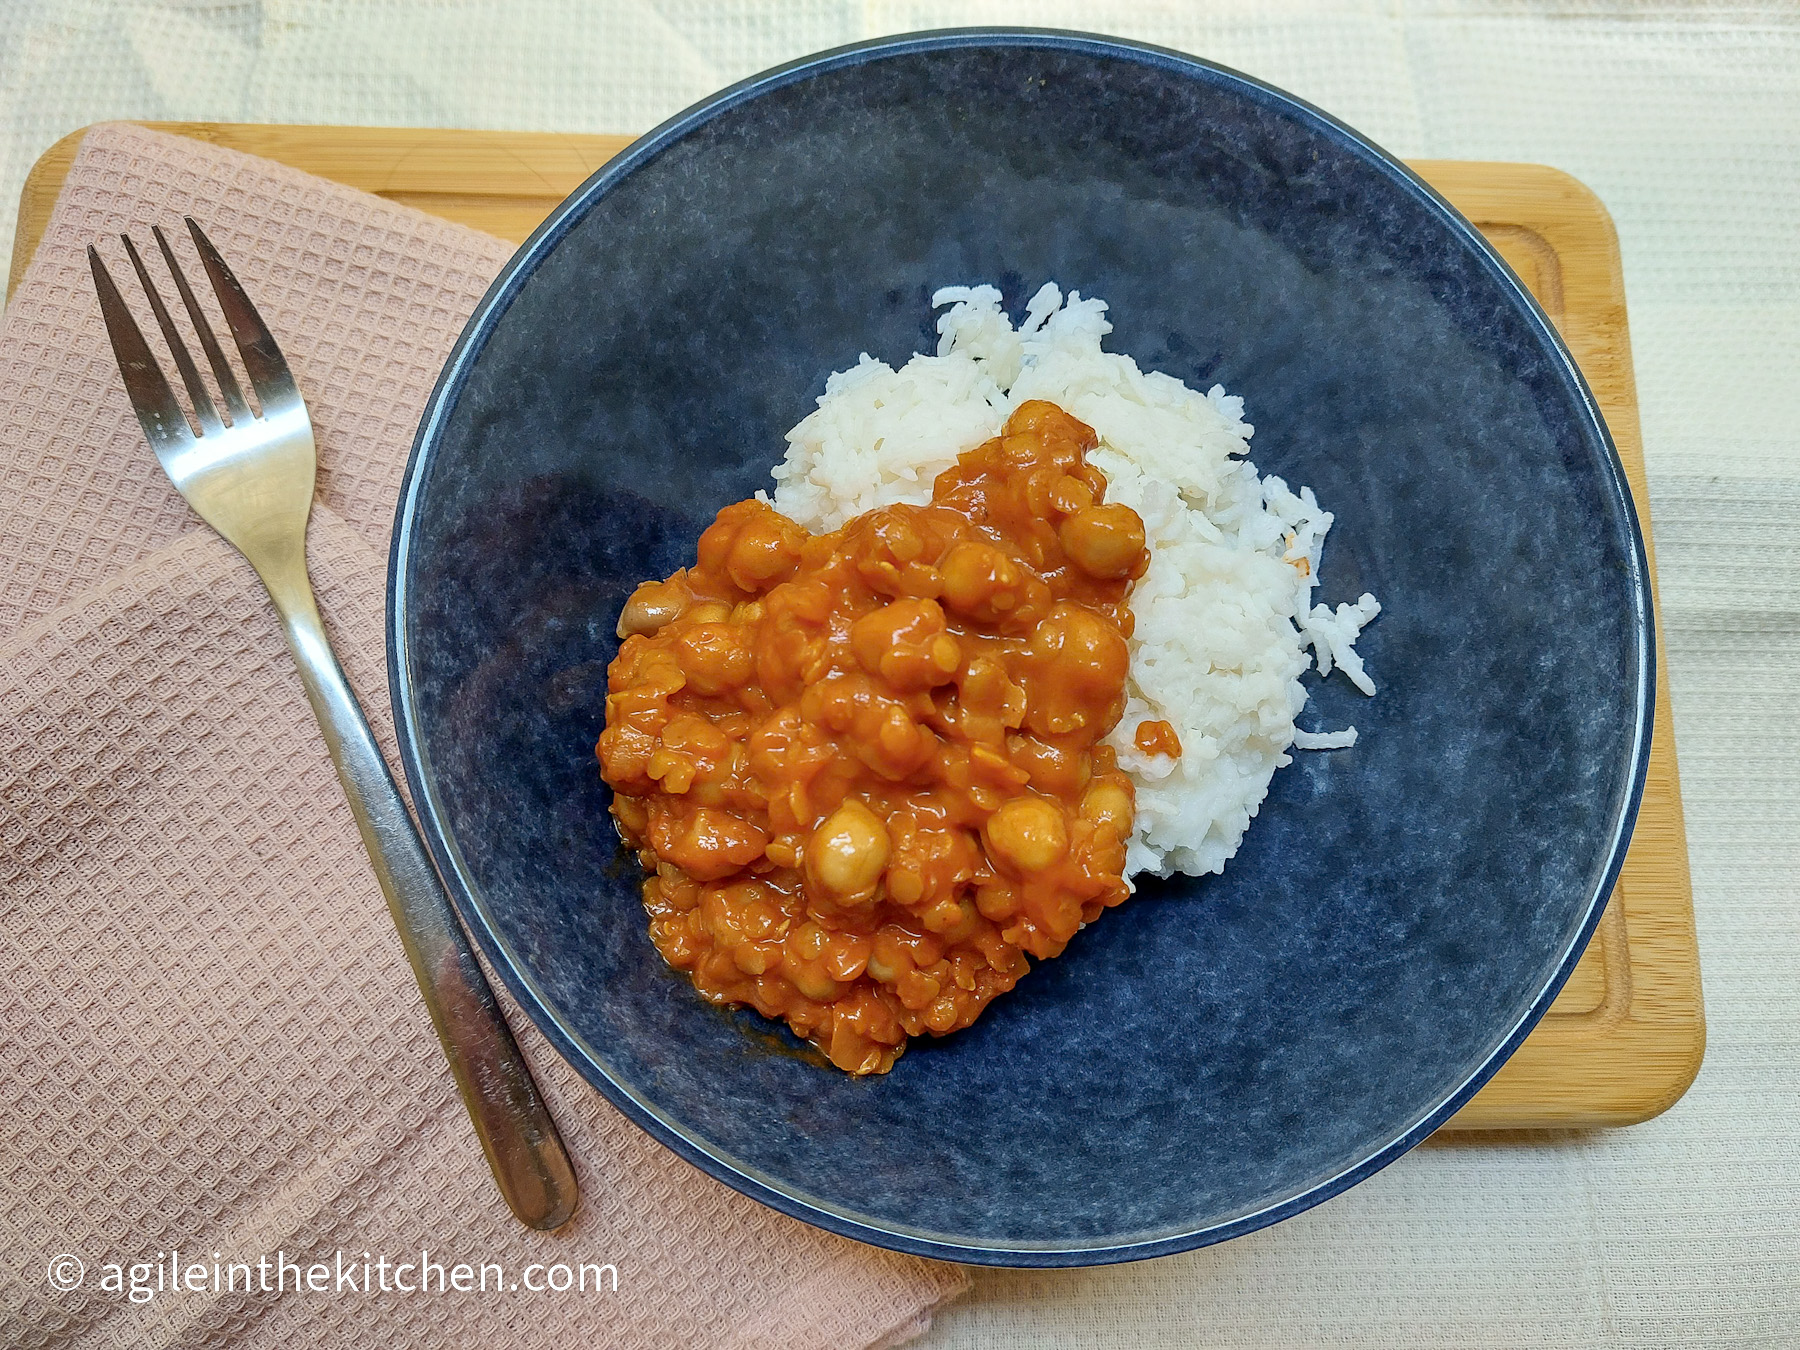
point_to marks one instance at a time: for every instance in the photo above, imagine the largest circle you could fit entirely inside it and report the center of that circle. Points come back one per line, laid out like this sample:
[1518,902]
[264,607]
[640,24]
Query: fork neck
[328,690]
[283,572]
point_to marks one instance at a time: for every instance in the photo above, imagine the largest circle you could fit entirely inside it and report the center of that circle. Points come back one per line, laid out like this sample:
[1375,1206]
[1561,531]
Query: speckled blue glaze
[1219,1053]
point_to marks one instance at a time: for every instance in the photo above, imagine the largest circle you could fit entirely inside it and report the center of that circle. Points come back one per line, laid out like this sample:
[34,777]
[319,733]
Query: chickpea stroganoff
[899,729]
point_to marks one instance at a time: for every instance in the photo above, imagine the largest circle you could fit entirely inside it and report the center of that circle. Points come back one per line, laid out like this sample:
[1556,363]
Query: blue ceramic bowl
[1219,1053]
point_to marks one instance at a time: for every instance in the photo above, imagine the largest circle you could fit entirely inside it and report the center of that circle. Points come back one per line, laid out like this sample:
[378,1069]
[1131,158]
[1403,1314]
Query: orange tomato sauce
[1157,738]
[863,768]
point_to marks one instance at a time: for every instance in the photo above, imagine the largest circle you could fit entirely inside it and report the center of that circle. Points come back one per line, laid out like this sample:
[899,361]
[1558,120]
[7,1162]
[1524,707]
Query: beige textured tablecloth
[1686,120]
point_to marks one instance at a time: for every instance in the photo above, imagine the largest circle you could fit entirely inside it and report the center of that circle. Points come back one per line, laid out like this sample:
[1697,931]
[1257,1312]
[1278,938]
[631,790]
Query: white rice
[1224,614]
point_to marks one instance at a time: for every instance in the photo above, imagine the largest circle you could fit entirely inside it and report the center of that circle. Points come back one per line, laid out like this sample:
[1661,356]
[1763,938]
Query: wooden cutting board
[1625,1037]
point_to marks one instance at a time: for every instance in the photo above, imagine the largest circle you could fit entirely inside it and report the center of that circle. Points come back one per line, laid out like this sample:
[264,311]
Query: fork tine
[204,412]
[235,407]
[263,361]
[165,425]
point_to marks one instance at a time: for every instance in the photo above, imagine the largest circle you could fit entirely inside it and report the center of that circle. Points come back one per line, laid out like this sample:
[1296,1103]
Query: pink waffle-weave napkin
[210,1041]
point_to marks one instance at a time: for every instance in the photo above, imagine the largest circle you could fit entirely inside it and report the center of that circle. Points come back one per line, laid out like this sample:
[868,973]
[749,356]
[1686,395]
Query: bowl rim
[477,913]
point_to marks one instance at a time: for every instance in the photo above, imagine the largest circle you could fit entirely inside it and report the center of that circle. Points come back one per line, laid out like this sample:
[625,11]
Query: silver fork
[250,477]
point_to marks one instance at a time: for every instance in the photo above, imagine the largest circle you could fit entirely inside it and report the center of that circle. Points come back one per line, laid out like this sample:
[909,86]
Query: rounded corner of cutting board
[1623,1074]
[43,183]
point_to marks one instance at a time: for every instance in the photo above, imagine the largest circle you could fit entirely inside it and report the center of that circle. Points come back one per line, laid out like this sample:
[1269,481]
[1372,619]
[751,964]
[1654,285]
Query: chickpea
[716,539]
[950,918]
[1051,422]
[806,943]
[696,736]
[890,957]
[815,984]
[1079,649]
[751,545]
[716,972]
[1027,833]
[755,958]
[906,885]
[1032,415]
[1070,495]
[654,604]
[1108,802]
[675,943]
[997,901]
[1021,449]
[764,553]
[906,644]
[920,581]
[848,853]
[1106,542]
[880,576]
[713,658]
[707,845]
[1056,770]
[1080,636]
[1002,957]
[834,702]
[632,816]
[945,655]
[980,580]
[850,1050]
[942,1015]
[1042,491]
[900,539]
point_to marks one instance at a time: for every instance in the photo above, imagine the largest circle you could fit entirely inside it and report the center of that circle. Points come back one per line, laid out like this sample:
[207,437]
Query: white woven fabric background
[1686,120]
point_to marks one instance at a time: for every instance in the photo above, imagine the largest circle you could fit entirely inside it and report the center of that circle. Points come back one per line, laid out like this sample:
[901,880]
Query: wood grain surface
[1625,1037]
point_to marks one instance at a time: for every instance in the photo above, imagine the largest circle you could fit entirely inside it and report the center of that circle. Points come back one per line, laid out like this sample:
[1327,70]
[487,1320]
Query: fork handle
[511,1120]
